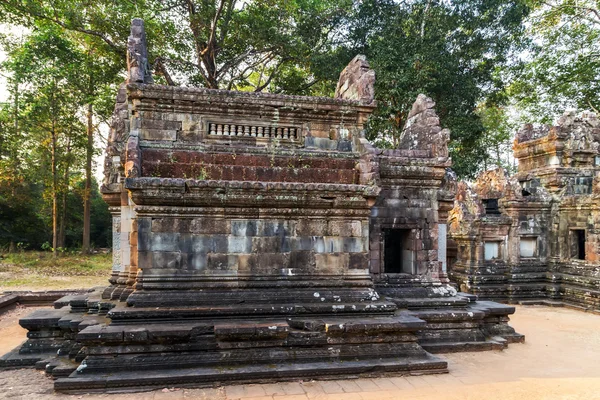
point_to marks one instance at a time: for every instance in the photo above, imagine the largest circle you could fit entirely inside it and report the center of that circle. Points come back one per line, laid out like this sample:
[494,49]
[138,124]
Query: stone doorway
[399,254]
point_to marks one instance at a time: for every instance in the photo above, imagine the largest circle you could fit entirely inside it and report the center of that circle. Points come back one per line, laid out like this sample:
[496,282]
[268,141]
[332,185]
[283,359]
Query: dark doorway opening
[491,206]
[578,244]
[399,254]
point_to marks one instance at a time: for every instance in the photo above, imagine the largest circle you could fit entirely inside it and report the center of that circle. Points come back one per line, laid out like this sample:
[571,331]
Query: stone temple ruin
[534,237]
[262,237]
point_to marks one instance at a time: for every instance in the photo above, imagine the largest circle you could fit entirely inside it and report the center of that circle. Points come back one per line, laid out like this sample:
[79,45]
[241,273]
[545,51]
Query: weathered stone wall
[548,203]
[414,194]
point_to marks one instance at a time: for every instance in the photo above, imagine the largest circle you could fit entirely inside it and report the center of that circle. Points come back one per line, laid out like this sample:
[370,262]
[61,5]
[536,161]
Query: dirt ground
[559,360]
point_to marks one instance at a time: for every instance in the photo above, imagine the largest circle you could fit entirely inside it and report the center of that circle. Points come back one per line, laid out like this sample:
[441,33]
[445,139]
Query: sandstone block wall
[553,202]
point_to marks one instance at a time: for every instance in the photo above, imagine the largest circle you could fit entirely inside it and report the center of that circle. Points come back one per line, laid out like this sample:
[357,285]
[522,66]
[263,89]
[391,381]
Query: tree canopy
[482,61]
[563,67]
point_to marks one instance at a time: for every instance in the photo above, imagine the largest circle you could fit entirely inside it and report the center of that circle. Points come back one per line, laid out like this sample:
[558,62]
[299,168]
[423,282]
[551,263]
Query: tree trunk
[54,194]
[63,212]
[498,156]
[85,246]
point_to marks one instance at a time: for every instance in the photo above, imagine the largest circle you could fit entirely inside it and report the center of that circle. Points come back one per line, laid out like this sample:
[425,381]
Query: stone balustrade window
[256,131]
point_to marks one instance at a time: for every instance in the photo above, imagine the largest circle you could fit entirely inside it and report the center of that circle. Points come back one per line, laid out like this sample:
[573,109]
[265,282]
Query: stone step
[124,381]
[169,357]
[15,359]
[455,347]
[123,314]
[247,329]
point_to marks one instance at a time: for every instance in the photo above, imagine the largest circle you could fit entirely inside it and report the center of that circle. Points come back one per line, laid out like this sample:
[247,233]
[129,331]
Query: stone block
[158,135]
[244,227]
[333,244]
[331,263]
[197,261]
[246,263]
[302,260]
[144,259]
[311,227]
[222,262]
[269,263]
[358,261]
[164,241]
[160,124]
[167,259]
[210,225]
[352,245]
[204,244]
[263,244]
[277,228]
[219,243]
[318,244]
[171,225]
[143,225]
[239,244]
[144,241]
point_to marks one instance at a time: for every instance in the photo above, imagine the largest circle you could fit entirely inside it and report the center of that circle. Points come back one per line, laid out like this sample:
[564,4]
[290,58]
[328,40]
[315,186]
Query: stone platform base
[215,376]
[460,323]
[92,352]
[86,351]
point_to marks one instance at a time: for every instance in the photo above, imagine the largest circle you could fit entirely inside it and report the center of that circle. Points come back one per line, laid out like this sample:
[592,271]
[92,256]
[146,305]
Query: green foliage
[44,142]
[449,51]
[257,45]
[498,139]
[563,68]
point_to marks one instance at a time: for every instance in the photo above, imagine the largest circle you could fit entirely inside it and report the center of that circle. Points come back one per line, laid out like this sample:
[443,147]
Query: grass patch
[34,270]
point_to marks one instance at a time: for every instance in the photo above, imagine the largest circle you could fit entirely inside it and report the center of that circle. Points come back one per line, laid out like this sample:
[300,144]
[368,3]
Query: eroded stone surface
[543,220]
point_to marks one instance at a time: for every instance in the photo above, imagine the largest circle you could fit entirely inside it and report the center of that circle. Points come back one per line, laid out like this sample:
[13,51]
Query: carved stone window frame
[501,249]
[536,251]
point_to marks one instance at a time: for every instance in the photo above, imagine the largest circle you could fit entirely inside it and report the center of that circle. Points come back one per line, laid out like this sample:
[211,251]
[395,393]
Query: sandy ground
[560,360]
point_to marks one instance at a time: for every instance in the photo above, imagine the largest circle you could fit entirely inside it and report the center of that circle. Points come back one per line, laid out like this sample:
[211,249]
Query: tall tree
[229,44]
[448,50]
[563,65]
[45,66]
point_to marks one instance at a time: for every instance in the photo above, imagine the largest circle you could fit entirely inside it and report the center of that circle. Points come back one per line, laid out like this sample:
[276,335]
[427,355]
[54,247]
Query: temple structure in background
[534,237]
[262,237]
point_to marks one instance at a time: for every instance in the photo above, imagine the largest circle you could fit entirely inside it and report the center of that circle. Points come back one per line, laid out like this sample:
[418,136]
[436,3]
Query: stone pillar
[442,237]
[116,252]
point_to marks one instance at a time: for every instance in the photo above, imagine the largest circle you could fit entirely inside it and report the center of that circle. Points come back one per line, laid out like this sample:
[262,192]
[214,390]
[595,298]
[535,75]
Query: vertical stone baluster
[259,131]
[286,133]
[219,129]
[246,130]
[239,130]
[226,130]
[211,128]
[253,131]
